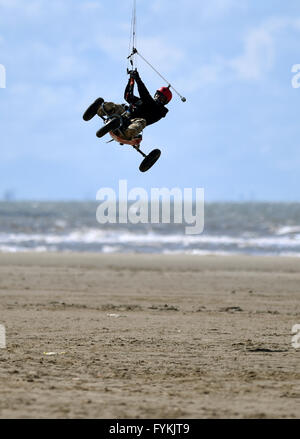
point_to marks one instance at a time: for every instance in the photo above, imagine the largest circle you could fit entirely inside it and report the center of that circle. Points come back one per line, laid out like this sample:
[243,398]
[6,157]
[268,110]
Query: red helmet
[166,92]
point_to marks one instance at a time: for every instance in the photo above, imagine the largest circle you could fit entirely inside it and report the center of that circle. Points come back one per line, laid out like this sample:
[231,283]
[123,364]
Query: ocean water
[230,228]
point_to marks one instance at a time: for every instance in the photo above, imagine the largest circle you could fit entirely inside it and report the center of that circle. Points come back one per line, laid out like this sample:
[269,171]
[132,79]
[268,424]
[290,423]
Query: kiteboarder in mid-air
[142,111]
[125,122]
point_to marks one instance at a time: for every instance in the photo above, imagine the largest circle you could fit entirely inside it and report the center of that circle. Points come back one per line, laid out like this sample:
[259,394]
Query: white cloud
[67,66]
[203,76]
[114,47]
[258,57]
[36,9]
[91,6]
[30,8]
[161,54]
[257,60]
[218,8]
[9,3]
[260,48]
[206,10]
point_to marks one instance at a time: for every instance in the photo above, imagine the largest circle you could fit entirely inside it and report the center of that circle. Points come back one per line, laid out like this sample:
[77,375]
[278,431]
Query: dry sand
[139,336]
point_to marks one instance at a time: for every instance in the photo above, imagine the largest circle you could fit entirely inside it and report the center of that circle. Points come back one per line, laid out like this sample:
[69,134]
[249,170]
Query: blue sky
[237,136]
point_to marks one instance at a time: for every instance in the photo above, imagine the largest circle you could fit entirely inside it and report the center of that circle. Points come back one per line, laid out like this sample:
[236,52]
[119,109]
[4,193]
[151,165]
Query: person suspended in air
[141,112]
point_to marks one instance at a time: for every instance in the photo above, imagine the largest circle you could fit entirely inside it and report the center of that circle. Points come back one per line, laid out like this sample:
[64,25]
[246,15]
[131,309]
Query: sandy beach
[143,336]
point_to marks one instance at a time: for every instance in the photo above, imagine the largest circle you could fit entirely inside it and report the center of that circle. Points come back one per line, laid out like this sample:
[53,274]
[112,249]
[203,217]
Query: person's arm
[128,94]
[143,91]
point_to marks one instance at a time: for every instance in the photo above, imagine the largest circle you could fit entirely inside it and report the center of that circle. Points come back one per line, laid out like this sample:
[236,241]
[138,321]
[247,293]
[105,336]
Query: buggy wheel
[111,125]
[149,161]
[92,110]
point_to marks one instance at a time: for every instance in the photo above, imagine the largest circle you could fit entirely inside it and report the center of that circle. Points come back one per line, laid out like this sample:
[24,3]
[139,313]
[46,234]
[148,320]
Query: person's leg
[110,108]
[137,125]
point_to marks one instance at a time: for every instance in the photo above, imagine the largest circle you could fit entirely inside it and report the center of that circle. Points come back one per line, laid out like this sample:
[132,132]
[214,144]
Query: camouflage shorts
[110,109]
[136,126]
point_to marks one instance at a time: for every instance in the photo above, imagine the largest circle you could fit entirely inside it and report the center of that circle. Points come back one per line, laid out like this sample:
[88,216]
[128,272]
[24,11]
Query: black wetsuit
[145,106]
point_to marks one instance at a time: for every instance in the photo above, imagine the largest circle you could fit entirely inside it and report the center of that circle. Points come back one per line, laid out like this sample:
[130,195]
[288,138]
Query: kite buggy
[117,125]
[125,123]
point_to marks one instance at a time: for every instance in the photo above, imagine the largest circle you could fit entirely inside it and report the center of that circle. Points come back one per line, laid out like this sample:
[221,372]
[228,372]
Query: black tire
[92,110]
[113,124]
[149,161]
